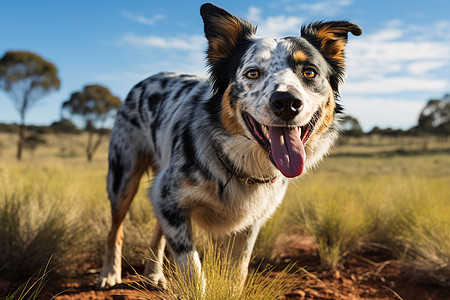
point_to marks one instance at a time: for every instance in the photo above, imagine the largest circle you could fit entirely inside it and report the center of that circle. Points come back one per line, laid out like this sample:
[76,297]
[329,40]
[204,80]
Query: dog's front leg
[176,227]
[239,247]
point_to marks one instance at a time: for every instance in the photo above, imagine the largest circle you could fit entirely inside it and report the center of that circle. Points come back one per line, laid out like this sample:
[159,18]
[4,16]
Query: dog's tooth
[265,131]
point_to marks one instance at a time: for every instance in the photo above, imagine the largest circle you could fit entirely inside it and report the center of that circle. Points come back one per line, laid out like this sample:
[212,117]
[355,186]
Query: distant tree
[387,132]
[94,105]
[350,126]
[435,117]
[9,128]
[26,77]
[64,126]
[33,141]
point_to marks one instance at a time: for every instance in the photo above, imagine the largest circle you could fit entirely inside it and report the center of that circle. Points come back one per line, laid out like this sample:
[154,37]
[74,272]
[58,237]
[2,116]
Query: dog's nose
[285,105]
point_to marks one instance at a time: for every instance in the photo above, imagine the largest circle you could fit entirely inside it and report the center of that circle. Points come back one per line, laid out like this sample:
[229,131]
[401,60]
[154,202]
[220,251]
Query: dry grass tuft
[223,280]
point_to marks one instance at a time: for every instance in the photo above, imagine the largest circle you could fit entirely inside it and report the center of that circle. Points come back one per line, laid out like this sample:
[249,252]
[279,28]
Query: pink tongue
[287,150]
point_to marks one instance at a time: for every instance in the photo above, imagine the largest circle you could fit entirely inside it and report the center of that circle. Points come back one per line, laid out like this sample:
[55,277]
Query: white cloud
[184,54]
[274,26]
[385,35]
[393,60]
[383,112]
[254,14]
[143,20]
[442,29]
[390,49]
[391,69]
[186,43]
[280,25]
[389,85]
[323,8]
[121,81]
[424,67]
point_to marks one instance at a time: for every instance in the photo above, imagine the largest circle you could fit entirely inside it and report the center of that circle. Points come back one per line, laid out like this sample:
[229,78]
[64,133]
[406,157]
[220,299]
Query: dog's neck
[239,172]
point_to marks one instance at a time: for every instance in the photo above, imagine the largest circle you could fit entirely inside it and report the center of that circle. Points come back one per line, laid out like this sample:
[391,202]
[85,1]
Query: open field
[372,222]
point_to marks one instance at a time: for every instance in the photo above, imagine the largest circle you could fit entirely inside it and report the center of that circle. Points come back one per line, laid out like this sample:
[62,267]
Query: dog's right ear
[223,31]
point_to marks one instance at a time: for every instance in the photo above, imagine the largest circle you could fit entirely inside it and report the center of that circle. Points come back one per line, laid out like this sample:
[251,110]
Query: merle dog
[223,149]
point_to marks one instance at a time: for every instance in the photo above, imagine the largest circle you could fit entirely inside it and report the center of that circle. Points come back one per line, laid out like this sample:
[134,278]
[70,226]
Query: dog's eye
[252,74]
[309,73]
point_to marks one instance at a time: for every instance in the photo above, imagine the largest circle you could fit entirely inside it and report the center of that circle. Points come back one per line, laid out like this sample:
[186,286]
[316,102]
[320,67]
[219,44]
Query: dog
[223,150]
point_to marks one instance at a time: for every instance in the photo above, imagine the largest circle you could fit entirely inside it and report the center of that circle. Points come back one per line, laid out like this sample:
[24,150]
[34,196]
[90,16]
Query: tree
[64,126]
[435,117]
[350,126]
[94,105]
[26,77]
[33,141]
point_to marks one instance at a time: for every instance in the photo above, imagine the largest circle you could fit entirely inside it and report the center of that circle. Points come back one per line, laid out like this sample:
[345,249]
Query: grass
[397,201]
[35,224]
[224,281]
[56,206]
[336,223]
[425,236]
[32,288]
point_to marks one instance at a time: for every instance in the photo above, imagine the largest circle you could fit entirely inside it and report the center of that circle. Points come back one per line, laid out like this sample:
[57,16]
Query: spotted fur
[206,142]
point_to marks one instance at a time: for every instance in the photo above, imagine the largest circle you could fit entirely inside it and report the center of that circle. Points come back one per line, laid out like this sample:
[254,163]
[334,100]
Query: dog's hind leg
[153,266]
[124,176]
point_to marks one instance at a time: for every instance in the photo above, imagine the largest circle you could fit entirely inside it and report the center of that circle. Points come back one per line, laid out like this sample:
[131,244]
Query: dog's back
[151,118]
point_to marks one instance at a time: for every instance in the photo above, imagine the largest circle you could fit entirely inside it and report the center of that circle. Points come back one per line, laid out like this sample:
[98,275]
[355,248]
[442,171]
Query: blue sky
[401,60]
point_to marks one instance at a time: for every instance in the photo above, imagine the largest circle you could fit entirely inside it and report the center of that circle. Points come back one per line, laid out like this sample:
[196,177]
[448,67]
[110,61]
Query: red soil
[363,276]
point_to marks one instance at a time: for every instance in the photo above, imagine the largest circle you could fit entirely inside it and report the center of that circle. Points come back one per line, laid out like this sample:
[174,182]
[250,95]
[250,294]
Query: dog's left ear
[223,31]
[330,37]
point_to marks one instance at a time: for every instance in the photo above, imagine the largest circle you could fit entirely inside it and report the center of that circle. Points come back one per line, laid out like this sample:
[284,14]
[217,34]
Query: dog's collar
[227,164]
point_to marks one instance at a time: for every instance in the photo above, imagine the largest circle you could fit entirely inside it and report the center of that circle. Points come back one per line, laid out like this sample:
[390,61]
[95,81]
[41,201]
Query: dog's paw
[157,280]
[106,282]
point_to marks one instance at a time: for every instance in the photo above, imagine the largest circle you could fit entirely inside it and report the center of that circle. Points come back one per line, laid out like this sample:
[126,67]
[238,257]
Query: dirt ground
[368,275]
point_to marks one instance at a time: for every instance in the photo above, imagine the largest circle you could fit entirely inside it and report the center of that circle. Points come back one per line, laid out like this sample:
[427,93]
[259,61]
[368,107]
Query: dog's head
[279,92]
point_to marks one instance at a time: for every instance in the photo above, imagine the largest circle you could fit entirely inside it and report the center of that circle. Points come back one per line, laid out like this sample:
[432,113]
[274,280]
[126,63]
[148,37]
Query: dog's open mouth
[285,145]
